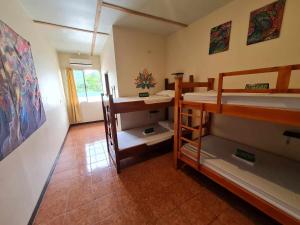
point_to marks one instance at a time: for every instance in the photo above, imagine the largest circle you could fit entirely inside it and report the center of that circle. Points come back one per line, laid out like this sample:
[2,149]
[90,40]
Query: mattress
[274,179]
[147,100]
[283,101]
[134,137]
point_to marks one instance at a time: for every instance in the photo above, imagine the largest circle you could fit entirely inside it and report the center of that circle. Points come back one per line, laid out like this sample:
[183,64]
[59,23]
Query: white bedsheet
[148,100]
[273,178]
[134,137]
[284,101]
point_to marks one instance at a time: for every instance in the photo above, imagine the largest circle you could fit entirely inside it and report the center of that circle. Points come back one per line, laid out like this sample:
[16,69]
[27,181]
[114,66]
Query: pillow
[167,93]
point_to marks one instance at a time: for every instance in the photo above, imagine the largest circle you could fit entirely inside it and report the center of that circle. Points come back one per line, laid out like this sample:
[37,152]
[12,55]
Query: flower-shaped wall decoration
[144,80]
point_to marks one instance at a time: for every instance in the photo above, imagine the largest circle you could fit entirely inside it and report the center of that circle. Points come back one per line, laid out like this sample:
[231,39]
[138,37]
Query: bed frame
[111,109]
[274,115]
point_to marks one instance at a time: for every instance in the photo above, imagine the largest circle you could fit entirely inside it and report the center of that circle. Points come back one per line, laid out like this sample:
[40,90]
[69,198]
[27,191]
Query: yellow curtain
[73,103]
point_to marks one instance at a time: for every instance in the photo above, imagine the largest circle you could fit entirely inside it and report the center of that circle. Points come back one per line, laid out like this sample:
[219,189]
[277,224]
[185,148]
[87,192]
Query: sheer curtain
[73,103]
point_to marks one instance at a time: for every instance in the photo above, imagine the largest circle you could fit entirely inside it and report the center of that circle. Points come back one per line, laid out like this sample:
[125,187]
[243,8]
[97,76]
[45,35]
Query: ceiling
[81,14]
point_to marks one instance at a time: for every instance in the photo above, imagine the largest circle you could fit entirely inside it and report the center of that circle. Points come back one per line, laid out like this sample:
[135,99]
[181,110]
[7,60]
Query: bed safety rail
[282,83]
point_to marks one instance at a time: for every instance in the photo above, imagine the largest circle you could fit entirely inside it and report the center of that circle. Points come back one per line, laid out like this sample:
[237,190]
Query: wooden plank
[190,141]
[67,27]
[137,13]
[96,25]
[124,107]
[282,116]
[190,128]
[261,70]
[271,91]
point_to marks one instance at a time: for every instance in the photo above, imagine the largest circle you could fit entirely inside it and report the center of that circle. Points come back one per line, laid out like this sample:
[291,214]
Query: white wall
[135,51]
[24,172]
[187,50]
[108,64]
[90,111]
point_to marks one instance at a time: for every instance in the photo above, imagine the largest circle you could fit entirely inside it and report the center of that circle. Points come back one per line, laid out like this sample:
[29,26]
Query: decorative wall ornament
[144,80]
[219,38]
[21,108]
[265,23]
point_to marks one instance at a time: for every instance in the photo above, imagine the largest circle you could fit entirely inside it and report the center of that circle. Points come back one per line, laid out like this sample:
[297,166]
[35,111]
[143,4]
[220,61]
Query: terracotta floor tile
[176,217]
[86,190]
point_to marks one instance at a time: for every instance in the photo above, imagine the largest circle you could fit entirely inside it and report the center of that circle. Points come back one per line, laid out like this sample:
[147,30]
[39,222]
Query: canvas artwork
[145,80]
[265,23]
[21,108]
[219,38]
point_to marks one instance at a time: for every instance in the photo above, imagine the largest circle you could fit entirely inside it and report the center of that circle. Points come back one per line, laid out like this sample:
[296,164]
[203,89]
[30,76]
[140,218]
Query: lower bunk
[137,141]
[269,182]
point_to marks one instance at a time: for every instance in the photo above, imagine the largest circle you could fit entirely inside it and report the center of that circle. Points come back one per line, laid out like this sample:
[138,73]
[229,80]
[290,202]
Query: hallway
[85,189]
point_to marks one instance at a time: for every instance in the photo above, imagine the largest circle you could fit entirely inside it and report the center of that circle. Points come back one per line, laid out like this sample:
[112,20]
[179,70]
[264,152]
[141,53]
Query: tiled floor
[85,189]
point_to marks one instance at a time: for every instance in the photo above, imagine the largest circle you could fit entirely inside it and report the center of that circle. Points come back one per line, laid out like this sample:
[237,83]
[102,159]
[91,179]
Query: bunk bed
[268,182]
[128,143]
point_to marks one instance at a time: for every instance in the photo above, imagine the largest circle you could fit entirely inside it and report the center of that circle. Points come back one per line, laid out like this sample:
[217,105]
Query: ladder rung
[186,114]
[189,128]
[196,144]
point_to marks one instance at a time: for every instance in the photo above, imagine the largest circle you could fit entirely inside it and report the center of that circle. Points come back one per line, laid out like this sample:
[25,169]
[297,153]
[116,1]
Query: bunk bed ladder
[189,127]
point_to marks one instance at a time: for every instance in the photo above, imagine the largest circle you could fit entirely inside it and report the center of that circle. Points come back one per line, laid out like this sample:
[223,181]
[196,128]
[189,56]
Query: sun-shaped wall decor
[144,80]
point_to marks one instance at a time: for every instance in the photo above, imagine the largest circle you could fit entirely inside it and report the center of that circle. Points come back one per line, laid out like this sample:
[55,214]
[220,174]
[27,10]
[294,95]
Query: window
[88,85]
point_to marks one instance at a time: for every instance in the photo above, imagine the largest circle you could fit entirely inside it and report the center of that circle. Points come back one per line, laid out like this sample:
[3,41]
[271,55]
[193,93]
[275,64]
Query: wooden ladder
[197,129]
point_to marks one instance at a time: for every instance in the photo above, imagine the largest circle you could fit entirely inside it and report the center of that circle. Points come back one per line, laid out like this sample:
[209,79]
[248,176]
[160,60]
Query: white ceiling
[81,14]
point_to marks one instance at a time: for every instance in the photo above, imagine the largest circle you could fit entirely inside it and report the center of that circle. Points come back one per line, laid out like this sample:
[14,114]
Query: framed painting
[21,108]
[265,23]
[219,38]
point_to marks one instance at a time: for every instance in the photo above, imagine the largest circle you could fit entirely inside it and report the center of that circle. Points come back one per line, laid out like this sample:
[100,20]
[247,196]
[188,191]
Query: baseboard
[84,123]
[34,213]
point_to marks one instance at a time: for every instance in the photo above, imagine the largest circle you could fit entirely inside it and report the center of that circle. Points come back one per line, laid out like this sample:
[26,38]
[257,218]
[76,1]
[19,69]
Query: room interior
[149,112]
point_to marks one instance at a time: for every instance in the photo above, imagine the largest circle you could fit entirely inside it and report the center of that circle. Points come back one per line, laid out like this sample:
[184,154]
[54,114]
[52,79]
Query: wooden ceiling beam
[96,25]
[137,13]
[68,27]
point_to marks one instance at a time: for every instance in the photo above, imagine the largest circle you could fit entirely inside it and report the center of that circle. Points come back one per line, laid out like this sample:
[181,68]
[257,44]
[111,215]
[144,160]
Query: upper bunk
[162,99]
[278,105]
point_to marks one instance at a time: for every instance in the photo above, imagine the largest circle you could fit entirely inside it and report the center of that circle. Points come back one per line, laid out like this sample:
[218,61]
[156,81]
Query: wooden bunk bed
[274,193]
[128,143]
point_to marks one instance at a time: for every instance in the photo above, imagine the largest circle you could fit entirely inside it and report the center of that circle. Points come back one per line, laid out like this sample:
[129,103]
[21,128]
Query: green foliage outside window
[88,85]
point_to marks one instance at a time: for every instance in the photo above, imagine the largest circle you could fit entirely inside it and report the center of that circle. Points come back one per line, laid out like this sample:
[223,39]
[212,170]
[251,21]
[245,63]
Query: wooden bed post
[220,90]
[178,92]
[190,111]
[105,121]
[107,84]
[283,78]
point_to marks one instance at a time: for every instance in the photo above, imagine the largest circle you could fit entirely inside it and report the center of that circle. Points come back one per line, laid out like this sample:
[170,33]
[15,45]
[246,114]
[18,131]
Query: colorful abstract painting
[21,108]
[145,80]
[219,38]
[265,23]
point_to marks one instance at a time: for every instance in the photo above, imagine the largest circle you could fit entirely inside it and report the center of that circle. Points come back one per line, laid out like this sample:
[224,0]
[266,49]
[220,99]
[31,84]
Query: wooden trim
[137,13]
[96,25]
[261,70]
[124,107]
[37,206]
[67,27]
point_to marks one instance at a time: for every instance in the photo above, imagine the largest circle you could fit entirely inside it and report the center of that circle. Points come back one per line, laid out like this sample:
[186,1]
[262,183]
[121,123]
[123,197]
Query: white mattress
[273,178]
[148,100]
[284,101]
[134,137]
